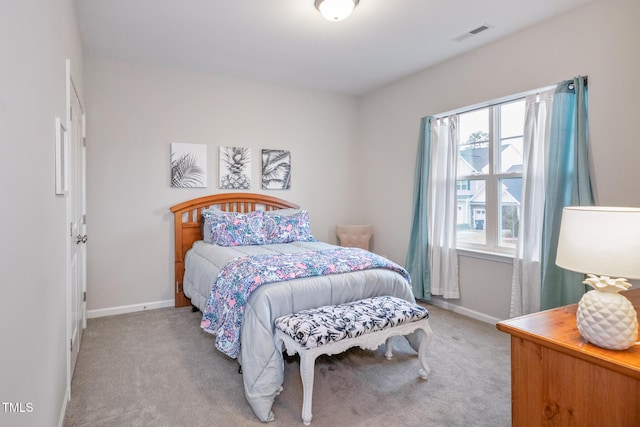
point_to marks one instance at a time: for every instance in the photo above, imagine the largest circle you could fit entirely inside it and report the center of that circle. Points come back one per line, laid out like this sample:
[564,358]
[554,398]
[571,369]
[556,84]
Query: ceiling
[288,41]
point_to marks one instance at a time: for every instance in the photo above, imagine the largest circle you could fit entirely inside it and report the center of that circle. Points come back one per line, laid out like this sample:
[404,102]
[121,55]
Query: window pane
[511,132]
[510,198]
[512,119]
[473,157]
[510,155]
[471,211]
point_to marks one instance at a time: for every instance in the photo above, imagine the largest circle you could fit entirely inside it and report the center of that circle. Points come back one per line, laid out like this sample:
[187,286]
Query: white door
[77,224]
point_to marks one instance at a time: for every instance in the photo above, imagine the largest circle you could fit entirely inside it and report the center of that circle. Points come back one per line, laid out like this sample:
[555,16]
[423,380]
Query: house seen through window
[489,176]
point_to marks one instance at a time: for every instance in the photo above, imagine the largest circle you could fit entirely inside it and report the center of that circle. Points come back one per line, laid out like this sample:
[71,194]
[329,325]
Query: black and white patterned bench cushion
[323,325]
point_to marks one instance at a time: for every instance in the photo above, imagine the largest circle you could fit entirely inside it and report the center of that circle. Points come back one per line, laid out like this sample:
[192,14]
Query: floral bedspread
[233,287]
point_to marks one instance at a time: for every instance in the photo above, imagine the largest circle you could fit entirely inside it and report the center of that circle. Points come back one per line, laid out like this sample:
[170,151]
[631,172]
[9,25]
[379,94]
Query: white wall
[135,112]
[353,159]
[598,40]
[36,37]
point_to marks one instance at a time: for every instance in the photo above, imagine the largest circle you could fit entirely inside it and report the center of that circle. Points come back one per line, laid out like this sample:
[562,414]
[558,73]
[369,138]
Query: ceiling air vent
[479,29]
[471,33]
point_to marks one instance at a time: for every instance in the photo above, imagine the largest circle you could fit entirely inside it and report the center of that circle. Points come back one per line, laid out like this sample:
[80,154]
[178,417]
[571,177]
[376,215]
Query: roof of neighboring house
[478,160]
[514,188]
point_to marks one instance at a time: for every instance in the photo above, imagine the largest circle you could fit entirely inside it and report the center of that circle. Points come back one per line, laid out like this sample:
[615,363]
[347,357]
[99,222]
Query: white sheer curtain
[526,282]
[443,258]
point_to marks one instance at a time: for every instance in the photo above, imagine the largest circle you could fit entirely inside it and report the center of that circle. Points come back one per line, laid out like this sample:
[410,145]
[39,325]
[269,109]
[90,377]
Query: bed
[262,363]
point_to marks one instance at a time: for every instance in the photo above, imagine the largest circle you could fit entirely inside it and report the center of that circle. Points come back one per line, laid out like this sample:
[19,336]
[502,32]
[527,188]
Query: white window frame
[491,249]
[492,179]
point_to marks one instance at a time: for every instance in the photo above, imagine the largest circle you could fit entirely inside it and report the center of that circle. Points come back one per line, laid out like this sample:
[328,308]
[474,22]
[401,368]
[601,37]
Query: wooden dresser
[558,379]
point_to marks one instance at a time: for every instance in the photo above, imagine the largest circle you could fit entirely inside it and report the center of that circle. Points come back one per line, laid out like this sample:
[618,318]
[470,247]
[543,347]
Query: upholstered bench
[332,329]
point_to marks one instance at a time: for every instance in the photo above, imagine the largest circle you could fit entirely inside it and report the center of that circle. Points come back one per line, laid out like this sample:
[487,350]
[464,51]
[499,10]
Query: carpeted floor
[157,368]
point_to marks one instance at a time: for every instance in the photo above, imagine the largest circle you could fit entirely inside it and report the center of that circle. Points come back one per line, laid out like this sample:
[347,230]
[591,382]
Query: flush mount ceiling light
[336,10]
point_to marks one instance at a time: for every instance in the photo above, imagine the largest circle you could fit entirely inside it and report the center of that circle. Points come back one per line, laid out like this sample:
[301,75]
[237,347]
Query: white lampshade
[336,10]
[599,240]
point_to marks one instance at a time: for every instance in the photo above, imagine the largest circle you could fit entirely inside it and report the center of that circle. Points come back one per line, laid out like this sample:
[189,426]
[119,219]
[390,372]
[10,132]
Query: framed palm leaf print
[188,165]
[276,169]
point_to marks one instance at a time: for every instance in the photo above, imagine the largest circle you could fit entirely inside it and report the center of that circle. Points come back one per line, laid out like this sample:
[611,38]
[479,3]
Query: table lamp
[603,242]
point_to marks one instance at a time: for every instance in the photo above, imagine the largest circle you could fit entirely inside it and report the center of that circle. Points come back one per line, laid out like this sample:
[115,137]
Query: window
[489,176]
[463,185]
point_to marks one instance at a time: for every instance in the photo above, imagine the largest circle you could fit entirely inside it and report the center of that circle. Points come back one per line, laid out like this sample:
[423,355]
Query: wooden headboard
[187,217]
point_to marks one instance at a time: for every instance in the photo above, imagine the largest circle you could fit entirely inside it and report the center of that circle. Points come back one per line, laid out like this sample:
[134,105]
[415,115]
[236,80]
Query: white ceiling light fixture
[336,10]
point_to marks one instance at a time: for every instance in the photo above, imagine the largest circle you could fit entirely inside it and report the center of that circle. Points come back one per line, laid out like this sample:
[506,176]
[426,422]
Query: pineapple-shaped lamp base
[606,318]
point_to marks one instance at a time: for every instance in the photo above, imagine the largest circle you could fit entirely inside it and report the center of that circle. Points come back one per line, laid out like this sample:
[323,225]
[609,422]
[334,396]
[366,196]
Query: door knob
[81,239]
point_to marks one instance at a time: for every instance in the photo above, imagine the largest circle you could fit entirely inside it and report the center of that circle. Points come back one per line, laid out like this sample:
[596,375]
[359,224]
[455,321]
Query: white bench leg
[307,367]
[426,333]
[389,349]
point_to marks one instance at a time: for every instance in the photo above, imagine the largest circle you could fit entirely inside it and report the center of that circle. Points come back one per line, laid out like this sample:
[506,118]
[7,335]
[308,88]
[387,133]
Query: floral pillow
[237,229]
[287,228]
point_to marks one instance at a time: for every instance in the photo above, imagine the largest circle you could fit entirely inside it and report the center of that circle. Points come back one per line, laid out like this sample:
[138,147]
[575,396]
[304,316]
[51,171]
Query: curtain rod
[496,101]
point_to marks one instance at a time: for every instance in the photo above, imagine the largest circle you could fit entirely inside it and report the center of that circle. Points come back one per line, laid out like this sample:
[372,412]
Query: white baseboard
[465,311]
[63,412]
[102,312]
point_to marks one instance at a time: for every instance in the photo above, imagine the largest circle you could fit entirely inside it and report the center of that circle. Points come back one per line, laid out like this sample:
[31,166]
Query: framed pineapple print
[235,168]
[276,169]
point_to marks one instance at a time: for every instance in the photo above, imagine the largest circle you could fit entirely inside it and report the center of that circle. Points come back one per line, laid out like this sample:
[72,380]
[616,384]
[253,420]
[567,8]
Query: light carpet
[158,368]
